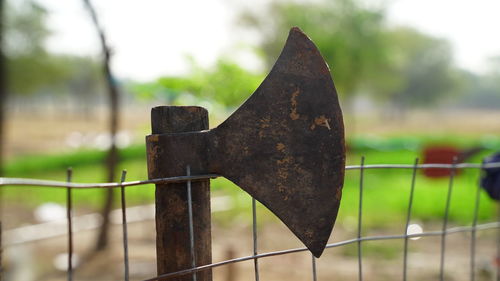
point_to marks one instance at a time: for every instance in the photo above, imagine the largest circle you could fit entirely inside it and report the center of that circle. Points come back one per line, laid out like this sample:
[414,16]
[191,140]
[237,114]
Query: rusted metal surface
[284,145]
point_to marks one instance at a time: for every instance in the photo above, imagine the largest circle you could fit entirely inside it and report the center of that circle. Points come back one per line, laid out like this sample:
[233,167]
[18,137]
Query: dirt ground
[382,260]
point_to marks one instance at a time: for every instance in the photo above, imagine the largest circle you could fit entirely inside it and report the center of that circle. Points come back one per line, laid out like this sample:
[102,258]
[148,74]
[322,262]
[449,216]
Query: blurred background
[414,78]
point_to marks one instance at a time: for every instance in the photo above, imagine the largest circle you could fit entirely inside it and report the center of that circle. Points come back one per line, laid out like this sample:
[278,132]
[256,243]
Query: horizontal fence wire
[177,179]
[61,184]
[256,256]
[453,230]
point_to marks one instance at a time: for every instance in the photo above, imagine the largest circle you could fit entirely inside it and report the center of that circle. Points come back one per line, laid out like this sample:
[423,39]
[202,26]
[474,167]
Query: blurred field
[43,152]
[47,133]
[39,149]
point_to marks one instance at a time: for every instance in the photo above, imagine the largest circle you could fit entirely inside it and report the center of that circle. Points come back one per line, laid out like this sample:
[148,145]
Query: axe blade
[285,144]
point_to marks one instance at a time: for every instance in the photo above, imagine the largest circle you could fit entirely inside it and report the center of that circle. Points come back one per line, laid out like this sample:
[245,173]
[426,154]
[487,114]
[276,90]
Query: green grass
[36,164]
[386,192]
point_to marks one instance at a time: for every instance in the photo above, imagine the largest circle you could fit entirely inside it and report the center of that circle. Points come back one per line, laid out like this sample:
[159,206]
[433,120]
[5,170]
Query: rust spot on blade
[264,124]
[280,146]
[338,194]
[286,160]
[282,173]
[294,115]
[321,121]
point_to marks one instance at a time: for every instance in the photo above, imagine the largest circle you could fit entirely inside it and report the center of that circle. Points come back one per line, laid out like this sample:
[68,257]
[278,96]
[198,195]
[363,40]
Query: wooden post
[172,220]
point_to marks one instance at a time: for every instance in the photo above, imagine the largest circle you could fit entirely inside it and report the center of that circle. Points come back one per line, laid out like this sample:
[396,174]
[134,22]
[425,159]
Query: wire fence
[256,256]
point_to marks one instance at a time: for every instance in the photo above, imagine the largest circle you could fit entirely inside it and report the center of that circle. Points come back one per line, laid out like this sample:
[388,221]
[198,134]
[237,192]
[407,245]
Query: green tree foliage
[400,65]
[30,68]
[28,64]
[26,29]
[349,36]
[421,67]
[226,83]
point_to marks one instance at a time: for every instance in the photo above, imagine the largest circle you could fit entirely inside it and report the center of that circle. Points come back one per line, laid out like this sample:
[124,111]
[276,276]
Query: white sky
[152,37]
[472,26]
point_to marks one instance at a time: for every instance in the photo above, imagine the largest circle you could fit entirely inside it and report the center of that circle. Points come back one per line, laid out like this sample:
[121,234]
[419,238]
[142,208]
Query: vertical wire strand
[69,207]
[497,258]
[314,274]
[360,217]
[445,220]
[408,217]
[191,228]
[254,235]
[124,227]
[474,226]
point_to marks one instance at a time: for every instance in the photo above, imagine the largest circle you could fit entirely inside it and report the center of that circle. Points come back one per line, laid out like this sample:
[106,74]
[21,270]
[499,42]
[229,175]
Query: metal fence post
[172,219]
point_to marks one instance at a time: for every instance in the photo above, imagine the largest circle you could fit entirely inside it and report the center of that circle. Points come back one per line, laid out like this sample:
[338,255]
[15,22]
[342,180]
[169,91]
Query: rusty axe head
[284,145]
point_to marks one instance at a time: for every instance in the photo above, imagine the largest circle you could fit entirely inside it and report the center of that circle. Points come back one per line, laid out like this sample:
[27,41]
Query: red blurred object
[440,155]
[444,154]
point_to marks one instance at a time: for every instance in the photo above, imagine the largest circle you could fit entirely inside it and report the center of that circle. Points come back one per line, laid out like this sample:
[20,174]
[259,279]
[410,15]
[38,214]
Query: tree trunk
[112,158]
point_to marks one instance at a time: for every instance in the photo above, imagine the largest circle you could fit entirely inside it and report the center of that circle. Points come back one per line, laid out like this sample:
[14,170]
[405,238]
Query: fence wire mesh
[257,255]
